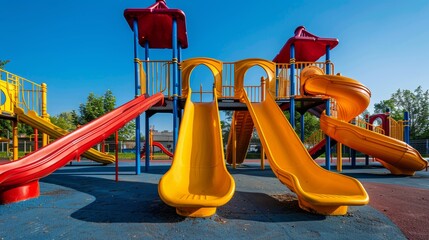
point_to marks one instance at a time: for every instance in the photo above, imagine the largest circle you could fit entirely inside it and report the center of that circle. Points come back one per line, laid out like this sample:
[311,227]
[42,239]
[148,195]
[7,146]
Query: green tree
[5,128]
[65,120]
[96,106]
[128,132]
[311,123]
[226,126]
[3,63]
[416,104]
[25,130]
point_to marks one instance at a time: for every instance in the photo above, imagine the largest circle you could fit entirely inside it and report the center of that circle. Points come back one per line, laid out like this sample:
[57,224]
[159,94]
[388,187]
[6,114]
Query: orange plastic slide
[318,190]
[352,98]
[198,180]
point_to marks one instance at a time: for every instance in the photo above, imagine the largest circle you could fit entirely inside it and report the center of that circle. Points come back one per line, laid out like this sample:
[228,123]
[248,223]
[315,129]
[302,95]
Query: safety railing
[228,80]
[283,76]
[157,74]
[396,129]
[254,93]
[22,92]
[364,124]
[202,95]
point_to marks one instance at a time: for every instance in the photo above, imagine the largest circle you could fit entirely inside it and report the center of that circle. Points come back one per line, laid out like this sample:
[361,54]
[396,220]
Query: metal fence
[421,145]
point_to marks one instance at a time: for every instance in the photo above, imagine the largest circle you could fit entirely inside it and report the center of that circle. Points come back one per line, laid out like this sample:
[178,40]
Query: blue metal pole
[175,86]
[353,153]
[328,139]
[328,59]
[147,127]
[407,128]
[292,85]
[137,88]
[147,147]
[328,113]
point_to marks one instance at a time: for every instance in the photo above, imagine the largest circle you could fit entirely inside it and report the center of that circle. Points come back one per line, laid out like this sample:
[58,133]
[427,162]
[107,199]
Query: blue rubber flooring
[83,201]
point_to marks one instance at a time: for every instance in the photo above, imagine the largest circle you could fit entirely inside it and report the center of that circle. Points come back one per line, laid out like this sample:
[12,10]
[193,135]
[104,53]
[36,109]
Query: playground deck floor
[83,201]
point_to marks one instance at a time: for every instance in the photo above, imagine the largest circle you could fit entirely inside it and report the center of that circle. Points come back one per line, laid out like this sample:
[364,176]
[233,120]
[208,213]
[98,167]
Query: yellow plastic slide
[33,120]
[352,98]
[318,190]
[198,180]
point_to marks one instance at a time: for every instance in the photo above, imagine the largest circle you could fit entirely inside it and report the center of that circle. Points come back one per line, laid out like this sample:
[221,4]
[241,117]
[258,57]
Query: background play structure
[198,181]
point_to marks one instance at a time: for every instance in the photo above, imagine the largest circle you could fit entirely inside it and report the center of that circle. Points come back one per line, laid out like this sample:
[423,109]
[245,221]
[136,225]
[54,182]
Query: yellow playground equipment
[25,101]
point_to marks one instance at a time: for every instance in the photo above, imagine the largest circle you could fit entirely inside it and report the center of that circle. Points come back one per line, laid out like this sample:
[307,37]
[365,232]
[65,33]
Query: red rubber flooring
[407,207]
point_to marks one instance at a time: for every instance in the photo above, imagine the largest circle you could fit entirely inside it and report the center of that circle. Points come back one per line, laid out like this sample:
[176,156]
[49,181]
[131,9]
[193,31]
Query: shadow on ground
[136,199]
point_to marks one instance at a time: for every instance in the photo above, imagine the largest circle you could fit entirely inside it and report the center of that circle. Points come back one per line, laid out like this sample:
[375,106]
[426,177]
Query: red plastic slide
[163,149]
[158,144]
[19,180]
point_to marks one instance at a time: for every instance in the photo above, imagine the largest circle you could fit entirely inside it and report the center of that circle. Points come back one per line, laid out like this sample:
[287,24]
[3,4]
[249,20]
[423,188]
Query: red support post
[116,157]
[36,139]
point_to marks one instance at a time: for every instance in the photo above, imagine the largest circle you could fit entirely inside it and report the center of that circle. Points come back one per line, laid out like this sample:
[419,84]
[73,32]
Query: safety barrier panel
[396,129]
[20,92]
[283,76]
[158,75]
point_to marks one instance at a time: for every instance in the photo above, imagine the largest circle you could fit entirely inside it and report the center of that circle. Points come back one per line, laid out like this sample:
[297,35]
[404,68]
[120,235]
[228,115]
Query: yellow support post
[263,89]
[45,115]
[339,157]
[142,77]
[234,146]
[15,139]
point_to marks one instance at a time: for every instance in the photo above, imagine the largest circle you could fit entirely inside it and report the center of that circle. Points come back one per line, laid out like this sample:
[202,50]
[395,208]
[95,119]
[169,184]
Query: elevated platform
[302,104]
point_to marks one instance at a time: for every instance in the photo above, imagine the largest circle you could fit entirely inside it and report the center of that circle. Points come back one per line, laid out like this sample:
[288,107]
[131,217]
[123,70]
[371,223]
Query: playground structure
[198,181]
[152,144]
[26,102]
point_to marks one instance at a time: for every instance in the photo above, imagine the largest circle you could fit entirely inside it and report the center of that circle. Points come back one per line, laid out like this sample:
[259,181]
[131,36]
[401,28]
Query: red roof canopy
[308,47]
[155,25]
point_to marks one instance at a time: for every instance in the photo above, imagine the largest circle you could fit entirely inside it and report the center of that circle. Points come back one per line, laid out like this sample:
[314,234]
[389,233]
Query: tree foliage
[96,106]
[128,132]
[6,129]
[415,103]
[65,120]
[311,123]
[3,63]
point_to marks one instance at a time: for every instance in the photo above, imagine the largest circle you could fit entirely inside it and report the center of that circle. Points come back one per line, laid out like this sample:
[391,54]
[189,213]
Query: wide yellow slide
[352,98]
[318,189]
[33,120]
[198,180]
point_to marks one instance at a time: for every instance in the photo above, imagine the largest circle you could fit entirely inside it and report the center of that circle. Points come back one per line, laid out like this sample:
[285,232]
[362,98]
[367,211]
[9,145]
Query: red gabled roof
[308,47]
[155,25]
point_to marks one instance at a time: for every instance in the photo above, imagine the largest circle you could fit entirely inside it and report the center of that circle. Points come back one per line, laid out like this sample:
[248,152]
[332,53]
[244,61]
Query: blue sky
[78,47]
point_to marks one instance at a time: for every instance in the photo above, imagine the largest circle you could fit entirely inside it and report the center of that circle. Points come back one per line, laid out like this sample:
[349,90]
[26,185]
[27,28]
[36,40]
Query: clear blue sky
[78,47]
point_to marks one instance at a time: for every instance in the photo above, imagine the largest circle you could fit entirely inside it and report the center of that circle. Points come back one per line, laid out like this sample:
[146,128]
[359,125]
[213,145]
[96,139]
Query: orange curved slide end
[352,98]
[319,190]
[198,181]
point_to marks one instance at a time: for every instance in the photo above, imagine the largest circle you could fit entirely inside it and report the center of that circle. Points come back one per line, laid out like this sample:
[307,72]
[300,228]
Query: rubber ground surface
[82,201]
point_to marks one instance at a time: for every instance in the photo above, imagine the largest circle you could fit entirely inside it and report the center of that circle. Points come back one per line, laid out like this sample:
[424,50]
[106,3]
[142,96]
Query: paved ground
[83,201]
